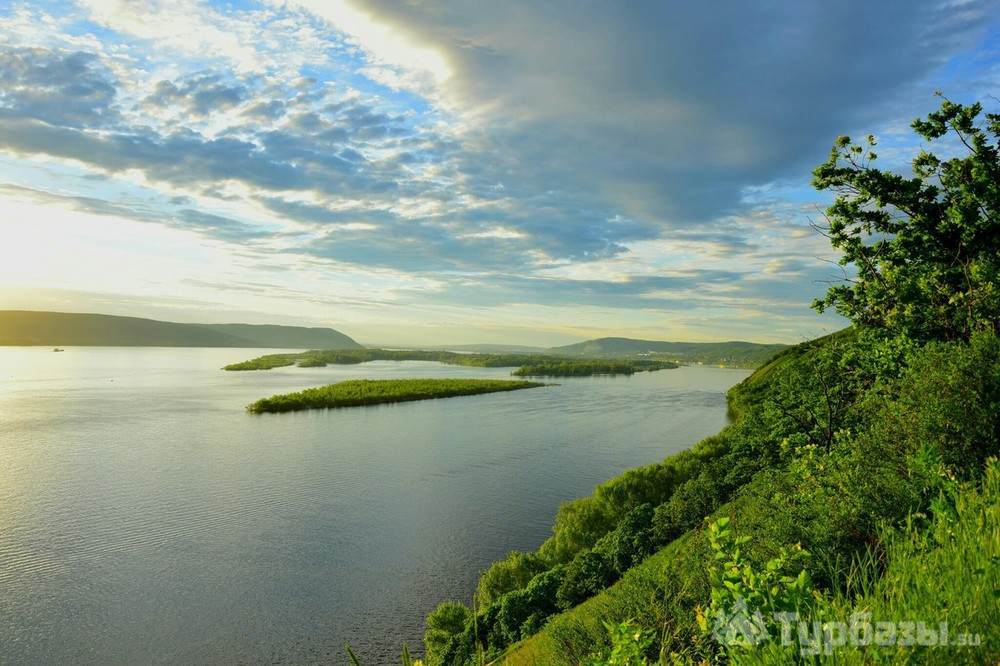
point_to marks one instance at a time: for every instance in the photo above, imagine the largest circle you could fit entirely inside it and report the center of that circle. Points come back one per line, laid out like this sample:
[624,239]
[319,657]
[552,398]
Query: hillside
[848,511]
[25,327]
[735,353]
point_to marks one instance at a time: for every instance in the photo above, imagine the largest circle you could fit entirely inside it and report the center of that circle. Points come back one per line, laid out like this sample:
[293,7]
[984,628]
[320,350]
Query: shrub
[530,605]
[630,542]
[511,573]
[588,573]
[448,620]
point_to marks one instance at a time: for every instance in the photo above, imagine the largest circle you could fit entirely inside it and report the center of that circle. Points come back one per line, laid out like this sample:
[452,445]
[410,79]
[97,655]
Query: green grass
[584,368]
[360,392]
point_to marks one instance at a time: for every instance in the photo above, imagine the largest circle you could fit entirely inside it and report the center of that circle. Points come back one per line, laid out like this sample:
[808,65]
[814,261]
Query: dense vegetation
[528,364]
[854,487]
[359,392]
[583,368]
[730,354]
[23,327]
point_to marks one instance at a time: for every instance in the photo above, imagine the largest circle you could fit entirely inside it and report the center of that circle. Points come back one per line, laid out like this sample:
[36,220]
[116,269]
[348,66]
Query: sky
[454,172]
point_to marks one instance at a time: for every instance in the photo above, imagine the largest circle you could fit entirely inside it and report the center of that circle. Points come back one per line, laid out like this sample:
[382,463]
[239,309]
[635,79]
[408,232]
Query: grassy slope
[948,571]
[669,583]
[360,392]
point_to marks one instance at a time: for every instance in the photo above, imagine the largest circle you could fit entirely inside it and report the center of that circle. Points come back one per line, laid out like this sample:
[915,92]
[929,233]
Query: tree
[447,621]
[511,573]
[926,247]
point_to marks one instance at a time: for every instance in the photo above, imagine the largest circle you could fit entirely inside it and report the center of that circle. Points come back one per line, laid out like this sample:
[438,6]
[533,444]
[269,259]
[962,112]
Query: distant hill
[487,348]
[736,353]
[26,327]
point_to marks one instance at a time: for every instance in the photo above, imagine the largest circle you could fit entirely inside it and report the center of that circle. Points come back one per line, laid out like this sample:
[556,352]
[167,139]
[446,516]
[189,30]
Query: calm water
[146,518]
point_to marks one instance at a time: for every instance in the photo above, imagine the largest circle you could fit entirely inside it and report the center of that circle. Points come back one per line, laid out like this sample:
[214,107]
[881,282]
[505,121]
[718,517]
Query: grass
[360,392]
[584,368]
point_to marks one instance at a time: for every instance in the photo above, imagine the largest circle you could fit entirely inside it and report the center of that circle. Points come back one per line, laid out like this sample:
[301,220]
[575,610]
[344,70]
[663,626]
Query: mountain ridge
[45,328]
[731,353]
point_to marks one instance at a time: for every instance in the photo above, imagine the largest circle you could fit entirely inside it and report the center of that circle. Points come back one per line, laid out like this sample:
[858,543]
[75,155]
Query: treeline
[583,368]
[527,364]
[855,479]
[322,357]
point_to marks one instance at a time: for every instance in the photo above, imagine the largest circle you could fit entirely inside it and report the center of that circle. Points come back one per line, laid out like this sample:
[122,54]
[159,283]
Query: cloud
[629,156]
[72,89]
[666,111]
[202,94]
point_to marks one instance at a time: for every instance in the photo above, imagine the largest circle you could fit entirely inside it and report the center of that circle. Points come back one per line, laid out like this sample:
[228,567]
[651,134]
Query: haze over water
[146,518]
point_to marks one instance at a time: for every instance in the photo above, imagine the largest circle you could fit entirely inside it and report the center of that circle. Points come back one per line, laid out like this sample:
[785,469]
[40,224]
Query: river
[145,517]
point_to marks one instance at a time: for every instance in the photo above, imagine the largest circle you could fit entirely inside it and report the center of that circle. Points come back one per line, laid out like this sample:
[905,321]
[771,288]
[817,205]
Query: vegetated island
[527,365]
[360,392]
[586,368]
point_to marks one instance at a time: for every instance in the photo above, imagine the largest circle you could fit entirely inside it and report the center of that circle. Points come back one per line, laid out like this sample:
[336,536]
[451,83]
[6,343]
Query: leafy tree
[446,621]
[588,573]
[526,609]
[926,247]
[630,542]
[511,573]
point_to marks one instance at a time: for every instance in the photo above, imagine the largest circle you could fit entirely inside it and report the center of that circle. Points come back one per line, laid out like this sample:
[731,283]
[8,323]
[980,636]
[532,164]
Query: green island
[527,364]
[586,368]
[857,486]
[361,392]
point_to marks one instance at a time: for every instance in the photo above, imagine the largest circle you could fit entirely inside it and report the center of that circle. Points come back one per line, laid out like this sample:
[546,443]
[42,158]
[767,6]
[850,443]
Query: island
[527,364]
[361,392]
[586,368]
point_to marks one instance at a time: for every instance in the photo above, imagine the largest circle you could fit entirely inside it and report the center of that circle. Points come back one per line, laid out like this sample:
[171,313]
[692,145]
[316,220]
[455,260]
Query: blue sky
[434,173]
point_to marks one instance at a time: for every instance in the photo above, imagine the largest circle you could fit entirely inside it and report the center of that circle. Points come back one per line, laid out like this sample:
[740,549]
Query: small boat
[58,349]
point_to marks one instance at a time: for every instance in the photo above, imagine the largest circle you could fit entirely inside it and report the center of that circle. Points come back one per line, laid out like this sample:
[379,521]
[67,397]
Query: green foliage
[359,392]
[941,572]
[926,247]
[511,573]
[949,399]
[630,542]
[581,523]
[446,621]
[629,644]
[588,573]
[584,368]
[745,599]
[522,612]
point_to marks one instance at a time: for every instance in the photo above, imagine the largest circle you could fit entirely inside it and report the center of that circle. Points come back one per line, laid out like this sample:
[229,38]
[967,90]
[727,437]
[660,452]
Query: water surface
[145,517]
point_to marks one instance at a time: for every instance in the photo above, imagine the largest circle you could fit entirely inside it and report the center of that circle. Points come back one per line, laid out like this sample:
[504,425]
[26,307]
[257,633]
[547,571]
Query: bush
[531,605]
[511,573]
[630,542]
[448,620]
[588,573]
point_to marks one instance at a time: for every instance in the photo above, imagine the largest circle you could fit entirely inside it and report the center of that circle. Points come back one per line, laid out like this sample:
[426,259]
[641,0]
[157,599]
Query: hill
[735,353]
[26,327]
